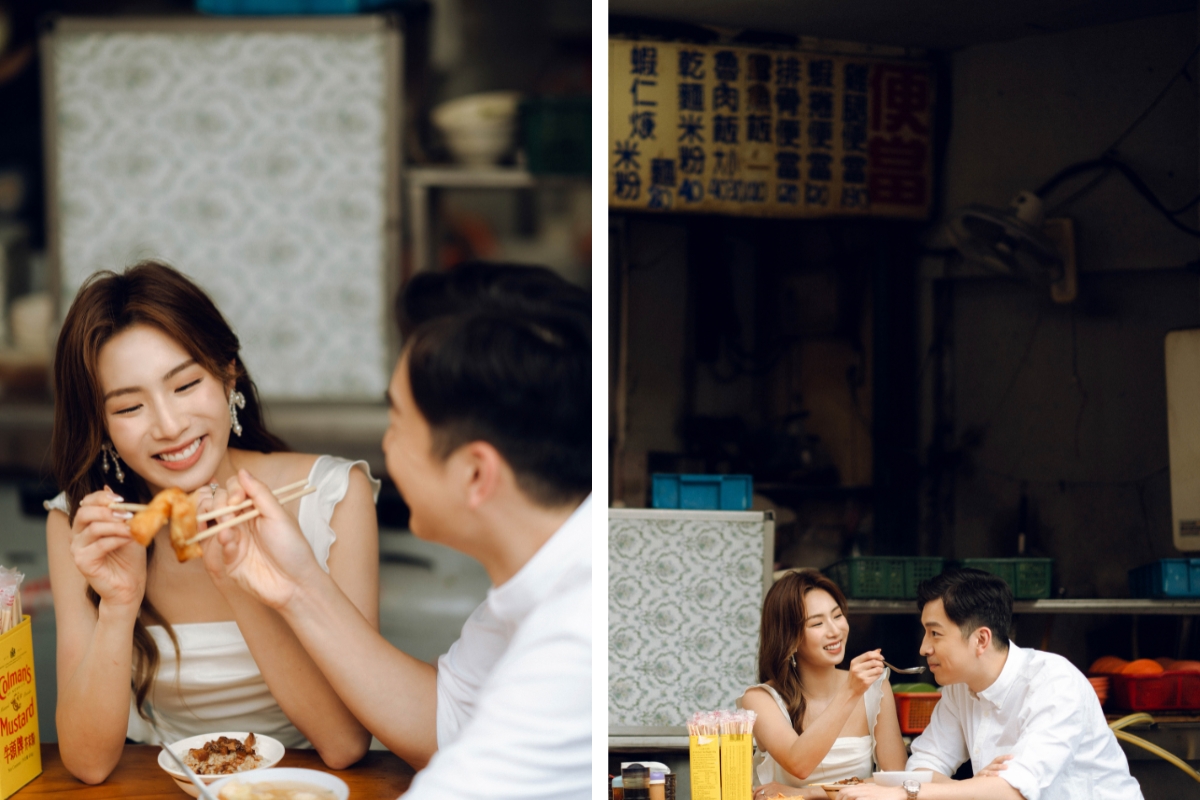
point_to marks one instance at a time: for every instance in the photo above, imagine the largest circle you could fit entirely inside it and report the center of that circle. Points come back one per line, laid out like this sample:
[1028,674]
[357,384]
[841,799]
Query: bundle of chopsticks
[740,721]
[713,723]
[285,494]
[704,723]
[10,599]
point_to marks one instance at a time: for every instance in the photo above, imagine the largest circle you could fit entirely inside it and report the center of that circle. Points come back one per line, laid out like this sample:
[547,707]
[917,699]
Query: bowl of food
[832,789]
[282,783]
[213,756]
[897,778]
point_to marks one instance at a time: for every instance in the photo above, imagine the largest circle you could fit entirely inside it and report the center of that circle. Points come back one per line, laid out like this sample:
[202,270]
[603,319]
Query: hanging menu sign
[734,130]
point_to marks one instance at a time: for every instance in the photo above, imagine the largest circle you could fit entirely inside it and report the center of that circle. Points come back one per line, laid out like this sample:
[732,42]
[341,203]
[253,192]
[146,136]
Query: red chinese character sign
[733,130]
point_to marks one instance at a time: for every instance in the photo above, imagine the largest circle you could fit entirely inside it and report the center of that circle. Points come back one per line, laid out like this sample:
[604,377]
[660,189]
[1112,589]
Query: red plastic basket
[915,709]
[1173,690]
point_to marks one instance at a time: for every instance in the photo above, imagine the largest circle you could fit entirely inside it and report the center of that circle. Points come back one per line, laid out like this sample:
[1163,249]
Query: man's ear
[486,471]
[982,638]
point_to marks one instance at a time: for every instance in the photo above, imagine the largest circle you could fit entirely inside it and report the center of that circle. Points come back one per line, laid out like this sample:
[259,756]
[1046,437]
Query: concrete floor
[426,593]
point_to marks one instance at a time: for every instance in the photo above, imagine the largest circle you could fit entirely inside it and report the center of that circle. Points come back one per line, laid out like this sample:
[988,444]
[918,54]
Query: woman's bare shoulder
[279,469]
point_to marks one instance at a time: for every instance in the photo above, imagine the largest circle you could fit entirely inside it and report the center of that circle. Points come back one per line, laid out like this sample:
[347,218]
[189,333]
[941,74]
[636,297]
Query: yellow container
[705,752]
[20,745]
[737,756]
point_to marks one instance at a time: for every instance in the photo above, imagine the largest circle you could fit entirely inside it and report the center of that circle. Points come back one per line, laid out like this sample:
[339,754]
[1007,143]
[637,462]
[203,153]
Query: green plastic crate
[1028,577]
[919,569]
[883,577]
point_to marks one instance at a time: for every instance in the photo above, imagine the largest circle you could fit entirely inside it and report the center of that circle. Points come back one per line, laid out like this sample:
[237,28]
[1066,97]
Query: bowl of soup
[281,783]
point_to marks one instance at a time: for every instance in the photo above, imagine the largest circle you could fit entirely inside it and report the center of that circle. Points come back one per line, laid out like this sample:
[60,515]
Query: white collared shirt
[1043,711]
[514,705]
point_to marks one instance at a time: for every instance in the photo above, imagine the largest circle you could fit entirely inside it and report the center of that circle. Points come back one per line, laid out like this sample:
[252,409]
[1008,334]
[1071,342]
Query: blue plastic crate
[285,6]
[1168,577]
[711,492]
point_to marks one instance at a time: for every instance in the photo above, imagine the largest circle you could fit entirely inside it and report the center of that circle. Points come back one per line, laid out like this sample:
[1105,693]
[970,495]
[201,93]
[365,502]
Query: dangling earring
[793,658]
[236,400]
[105,450]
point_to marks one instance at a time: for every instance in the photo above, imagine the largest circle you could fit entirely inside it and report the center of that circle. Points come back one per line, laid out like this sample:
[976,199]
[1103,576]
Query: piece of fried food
[174,505]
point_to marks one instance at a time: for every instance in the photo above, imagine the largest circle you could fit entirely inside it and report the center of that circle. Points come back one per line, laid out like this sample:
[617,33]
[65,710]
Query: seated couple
[275,630]
[1029,721]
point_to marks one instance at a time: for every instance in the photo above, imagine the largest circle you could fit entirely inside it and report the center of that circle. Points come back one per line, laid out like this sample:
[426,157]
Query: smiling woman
[151,394]
[817,723]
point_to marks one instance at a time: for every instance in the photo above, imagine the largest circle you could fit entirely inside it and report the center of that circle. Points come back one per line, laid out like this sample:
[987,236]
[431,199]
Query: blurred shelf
[420,181]
[450,177]
[1079,606]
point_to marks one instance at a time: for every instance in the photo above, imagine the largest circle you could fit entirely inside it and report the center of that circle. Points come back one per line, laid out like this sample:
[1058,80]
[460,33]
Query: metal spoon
[909,671]
[204,792]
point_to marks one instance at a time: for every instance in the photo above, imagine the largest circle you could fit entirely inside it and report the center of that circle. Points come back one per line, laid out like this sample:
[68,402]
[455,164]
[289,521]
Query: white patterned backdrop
[684,599]
[254,162]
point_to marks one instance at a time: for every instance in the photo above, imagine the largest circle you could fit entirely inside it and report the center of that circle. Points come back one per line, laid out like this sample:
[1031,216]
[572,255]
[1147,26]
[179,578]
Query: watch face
[911,786]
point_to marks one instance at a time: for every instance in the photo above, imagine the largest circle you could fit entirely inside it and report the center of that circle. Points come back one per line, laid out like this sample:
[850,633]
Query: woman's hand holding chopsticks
[106,555]
[267,555]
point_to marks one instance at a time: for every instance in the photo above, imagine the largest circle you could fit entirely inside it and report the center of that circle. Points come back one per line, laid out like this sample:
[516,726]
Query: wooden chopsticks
[216,512]
[215,529]
[285,494]
[280,492]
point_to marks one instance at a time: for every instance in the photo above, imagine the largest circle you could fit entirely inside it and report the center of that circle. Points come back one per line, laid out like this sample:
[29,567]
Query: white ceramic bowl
[323,779]
[480,129]
[270,749]
[897,778]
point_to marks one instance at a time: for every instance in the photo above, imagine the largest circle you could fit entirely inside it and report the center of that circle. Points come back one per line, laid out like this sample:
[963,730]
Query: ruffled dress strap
[58,503]
[331,477]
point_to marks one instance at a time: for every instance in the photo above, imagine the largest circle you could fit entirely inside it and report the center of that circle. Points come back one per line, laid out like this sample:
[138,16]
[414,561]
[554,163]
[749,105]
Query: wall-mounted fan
[1021,243]
[1018,242]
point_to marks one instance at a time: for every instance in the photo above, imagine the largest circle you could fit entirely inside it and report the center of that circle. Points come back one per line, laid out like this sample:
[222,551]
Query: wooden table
[379,776]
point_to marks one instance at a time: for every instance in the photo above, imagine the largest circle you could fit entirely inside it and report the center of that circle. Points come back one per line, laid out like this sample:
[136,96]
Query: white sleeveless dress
[219,685]
[850,756]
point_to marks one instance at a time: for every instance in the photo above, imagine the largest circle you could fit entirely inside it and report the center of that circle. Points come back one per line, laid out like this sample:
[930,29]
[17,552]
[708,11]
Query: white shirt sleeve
[943,746]
[531,736]
[463,671]
[1051,727]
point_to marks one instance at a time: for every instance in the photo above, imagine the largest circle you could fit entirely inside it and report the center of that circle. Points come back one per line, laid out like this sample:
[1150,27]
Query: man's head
[494,385]
[967,616]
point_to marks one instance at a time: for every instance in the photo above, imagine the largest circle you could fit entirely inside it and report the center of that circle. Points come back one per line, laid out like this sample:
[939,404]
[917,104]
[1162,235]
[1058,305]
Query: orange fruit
[1165,662]
[1186,666]
[1107,665]
[1143,666]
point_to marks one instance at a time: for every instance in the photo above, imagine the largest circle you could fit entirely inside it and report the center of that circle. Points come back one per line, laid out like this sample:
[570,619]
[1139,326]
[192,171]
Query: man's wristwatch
[912,787]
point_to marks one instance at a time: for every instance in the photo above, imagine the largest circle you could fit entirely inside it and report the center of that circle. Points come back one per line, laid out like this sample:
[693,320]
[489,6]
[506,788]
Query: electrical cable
[1118,727]
[1135,180]
[1111,152]
[1154,103]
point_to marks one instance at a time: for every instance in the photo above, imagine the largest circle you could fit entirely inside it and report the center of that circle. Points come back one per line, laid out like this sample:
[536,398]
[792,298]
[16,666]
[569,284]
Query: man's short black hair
[478,284]
[973,599]
[503,354]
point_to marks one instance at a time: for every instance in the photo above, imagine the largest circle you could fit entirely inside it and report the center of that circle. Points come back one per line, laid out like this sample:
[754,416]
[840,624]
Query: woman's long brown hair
[149,293]
[783,617]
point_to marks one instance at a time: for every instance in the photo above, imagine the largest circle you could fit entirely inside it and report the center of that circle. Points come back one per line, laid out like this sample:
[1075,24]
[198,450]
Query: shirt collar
[568,549]
[1014,664]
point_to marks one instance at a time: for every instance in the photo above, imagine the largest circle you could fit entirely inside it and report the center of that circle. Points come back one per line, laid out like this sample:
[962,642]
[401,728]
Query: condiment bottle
[618,789]
[634,778]
[658,786]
